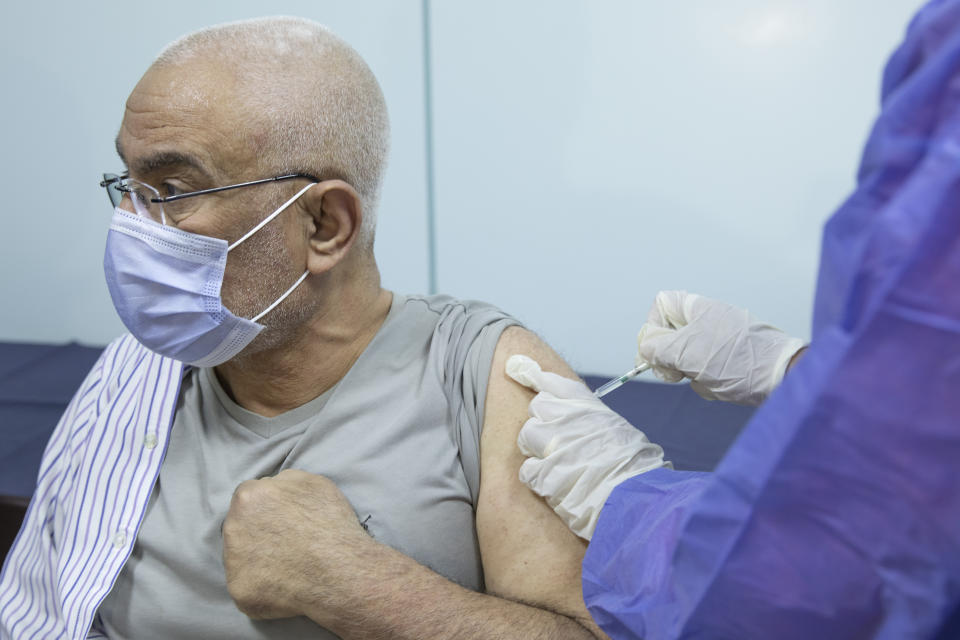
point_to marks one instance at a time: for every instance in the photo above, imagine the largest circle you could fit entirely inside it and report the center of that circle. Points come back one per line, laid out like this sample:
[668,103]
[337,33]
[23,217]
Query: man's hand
[725,351]
[292,545]
[288,543]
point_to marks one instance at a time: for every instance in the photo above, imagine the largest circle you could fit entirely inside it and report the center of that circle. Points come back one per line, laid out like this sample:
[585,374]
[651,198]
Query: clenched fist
[289,543]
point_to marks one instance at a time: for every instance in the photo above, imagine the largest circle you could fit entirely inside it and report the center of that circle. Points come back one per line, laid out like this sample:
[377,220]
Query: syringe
[616,383]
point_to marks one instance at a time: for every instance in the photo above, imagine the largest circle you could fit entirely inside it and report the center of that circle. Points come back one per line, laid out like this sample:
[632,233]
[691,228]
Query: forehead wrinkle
[166,146]
[184,117]
[161,160]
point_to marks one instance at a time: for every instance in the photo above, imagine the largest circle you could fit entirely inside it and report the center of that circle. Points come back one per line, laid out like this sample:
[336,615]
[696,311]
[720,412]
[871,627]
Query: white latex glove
[725,351]
[578,448]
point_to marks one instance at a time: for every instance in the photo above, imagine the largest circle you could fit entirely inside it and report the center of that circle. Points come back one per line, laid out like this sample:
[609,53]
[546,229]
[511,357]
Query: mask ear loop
[260,226]
[271,216]
[281,298]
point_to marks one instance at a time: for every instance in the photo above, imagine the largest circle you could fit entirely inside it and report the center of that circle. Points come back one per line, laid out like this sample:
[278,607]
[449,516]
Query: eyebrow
[162,160]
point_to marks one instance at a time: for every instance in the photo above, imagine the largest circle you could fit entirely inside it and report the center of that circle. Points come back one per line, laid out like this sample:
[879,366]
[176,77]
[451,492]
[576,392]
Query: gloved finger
[527,372]
[582,522]
[668,375]
[668,309]
[550,409]
[649,340]
[694,305]
[549,478]
[531,475]
[537,438]
[702,391]
[654,348]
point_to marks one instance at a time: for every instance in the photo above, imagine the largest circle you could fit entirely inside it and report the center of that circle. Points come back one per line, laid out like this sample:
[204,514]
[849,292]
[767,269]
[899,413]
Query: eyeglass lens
[134,196]
[110,184]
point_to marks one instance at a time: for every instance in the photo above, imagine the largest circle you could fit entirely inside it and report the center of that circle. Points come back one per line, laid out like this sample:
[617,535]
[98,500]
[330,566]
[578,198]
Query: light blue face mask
[165,284]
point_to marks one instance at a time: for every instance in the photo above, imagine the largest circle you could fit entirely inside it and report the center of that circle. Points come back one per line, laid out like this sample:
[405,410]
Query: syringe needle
[616,383]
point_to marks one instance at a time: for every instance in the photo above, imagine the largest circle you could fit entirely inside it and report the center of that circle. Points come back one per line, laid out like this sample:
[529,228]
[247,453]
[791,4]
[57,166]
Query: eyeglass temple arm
[288,176]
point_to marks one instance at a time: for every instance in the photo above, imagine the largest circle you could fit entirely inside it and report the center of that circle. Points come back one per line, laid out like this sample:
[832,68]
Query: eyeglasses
[148,202]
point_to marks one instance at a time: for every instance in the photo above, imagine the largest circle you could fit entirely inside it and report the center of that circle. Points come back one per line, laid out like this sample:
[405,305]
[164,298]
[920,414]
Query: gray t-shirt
[399,435]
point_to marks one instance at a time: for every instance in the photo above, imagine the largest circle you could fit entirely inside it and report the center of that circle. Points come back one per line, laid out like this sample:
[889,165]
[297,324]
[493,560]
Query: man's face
[184,129]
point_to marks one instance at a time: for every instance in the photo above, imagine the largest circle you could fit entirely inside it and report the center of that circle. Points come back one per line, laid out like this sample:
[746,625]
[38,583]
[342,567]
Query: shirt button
[150,441]
[119,539]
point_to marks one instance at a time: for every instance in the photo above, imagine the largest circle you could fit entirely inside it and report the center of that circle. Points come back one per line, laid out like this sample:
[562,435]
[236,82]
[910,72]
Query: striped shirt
[95,479]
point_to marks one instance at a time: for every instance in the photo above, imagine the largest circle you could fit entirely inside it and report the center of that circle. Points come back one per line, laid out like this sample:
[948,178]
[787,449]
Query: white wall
[588,153]
[590,156]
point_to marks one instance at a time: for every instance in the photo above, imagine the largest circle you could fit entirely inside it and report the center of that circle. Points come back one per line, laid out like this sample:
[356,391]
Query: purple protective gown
[836,514]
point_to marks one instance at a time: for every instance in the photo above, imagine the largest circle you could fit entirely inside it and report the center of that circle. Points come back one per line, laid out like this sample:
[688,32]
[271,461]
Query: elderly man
[282,448]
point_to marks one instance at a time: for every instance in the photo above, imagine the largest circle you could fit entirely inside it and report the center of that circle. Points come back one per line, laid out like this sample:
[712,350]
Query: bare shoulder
[528,553]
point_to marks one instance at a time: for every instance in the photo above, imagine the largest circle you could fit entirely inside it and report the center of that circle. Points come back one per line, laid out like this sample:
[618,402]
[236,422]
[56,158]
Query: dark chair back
[12,511]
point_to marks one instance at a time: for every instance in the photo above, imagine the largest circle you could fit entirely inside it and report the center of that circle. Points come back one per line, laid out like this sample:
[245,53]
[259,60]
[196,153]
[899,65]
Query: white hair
[314,96]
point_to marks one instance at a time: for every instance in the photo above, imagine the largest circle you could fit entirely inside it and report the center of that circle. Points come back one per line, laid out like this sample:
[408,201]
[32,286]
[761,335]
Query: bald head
[302,98]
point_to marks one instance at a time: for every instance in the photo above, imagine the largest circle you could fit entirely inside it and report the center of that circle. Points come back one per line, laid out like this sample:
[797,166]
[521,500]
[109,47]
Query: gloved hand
[725,351]
[578,448]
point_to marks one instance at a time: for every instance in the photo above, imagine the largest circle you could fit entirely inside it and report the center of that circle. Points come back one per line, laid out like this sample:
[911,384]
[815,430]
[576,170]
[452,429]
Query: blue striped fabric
[95,480]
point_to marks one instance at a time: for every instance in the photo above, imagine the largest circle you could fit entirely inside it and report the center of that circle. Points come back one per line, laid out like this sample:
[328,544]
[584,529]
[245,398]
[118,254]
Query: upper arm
[528,553]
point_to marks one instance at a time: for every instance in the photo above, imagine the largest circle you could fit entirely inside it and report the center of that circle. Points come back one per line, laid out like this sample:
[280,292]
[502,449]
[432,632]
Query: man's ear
[337,215]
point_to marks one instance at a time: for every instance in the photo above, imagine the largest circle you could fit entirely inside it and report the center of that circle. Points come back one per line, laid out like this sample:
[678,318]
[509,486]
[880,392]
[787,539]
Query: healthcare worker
[836,514]
[725,352]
